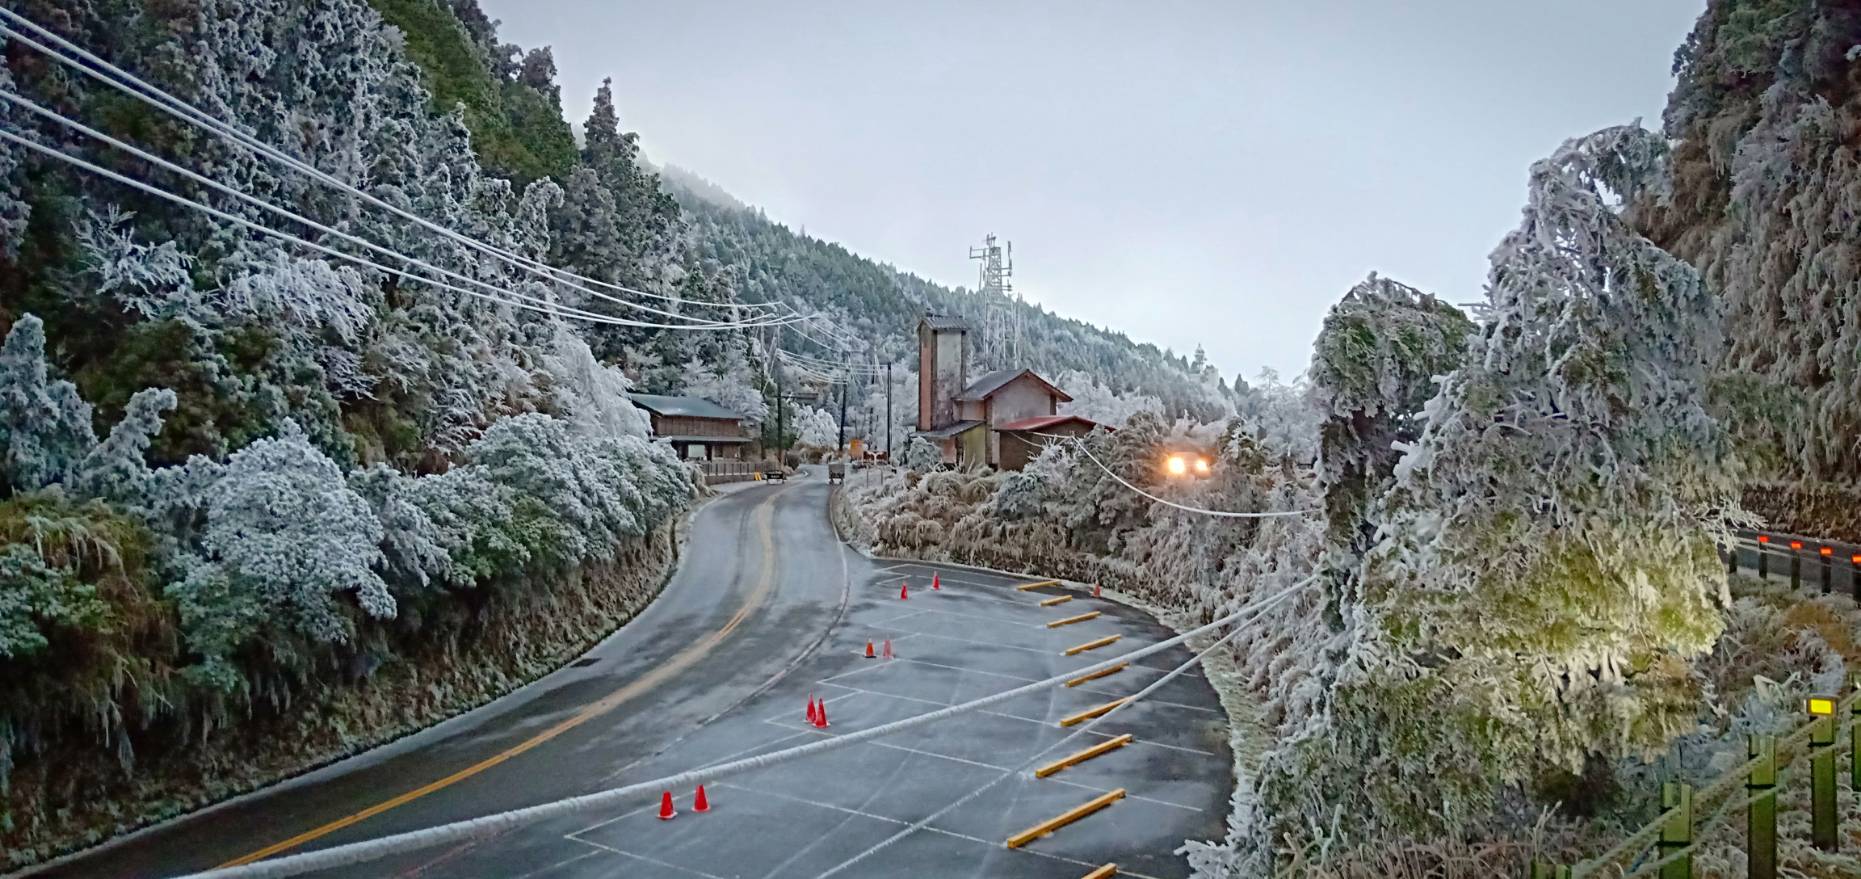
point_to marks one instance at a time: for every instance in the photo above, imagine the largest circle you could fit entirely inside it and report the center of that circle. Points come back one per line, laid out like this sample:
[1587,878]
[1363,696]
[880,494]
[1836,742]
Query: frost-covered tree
[921,455]
[45,427]
[285,541]
[1101,404]
[1546,563]
[1374,367]
[14,211]
[117,469]
[1766,186]
[818,428]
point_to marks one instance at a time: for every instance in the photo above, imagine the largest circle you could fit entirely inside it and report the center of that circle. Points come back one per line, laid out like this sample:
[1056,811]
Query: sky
[1212,173]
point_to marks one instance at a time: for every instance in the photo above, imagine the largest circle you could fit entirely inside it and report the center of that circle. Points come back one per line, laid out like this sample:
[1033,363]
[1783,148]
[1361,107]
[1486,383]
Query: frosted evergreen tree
[921,455]
[45,427]
[285,538]
[1547,562]
[14,211]
[117,469]
[1374,366]
[818,428]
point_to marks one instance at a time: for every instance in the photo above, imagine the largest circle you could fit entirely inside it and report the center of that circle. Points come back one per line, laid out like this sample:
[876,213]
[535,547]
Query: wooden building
[699,429]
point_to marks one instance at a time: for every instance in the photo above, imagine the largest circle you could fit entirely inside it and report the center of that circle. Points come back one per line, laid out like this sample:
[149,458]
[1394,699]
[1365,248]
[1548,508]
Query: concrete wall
[943,369]
[1022,398]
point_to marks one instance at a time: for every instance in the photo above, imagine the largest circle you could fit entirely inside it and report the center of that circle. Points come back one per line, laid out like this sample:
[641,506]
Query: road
[766,608]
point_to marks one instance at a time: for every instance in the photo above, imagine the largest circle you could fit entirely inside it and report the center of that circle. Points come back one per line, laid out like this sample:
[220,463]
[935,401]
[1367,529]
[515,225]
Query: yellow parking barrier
[1037,584]
[1057,599]
[1091,645]
[1089,713]
[1105,872]
[1103,672]
[1081,757]
[1069,816]
[1090,615]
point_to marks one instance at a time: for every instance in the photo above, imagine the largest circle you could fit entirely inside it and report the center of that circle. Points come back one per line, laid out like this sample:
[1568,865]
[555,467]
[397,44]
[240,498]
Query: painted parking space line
[1148,700]
[1187,673]
[858,691]
[1082,786]
[929,829]
[639,857]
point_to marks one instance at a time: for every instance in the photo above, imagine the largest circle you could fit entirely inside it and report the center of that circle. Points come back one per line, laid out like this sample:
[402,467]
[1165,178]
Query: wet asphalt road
[720,667]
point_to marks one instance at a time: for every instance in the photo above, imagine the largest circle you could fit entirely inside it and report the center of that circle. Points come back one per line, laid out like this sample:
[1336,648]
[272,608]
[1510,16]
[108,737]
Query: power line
[521,301]
[1080,444]
[26,104]
[137,88]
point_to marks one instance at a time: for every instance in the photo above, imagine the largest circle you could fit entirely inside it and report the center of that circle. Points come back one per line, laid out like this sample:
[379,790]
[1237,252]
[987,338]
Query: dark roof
[1043,422]
[986,386]
[689,407]
[944,322]
[712,440]
[949,430]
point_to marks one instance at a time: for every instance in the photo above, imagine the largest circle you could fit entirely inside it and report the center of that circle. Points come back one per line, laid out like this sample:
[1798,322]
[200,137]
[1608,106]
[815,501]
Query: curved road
[767,610]
[763,579]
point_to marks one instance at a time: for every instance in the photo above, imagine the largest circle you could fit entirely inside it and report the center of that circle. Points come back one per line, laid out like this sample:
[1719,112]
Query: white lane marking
[654,861]
[733,756]
[887,622]
[933,829]
[575,835]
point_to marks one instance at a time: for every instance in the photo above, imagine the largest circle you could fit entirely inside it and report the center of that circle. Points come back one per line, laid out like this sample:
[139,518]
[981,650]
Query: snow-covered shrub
[921,455]
[284,540]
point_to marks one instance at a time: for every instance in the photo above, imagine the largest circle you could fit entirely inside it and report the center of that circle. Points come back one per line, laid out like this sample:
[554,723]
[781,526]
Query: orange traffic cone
[936,582]
[811,714]
[869,653]
[1095,590]
[700,803]
[665,807]
[904,590]
[820,715]
[888,648]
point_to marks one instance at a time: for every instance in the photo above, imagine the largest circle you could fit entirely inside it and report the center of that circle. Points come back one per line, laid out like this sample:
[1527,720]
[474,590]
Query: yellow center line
[678,663]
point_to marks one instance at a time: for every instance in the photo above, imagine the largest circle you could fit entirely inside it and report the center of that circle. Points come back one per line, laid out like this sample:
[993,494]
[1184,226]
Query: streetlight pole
[888,411]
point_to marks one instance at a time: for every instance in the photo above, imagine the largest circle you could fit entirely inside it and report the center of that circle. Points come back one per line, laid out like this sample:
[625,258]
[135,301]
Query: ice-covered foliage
[117,469]
[14,210]
[1279,413]
[818,428]
[1545,567]
[594,394]
[1374,366]
[151,280]
[1766,185]
[731,382]
[285,540]
[45,428]
[1101,404]
[920,455]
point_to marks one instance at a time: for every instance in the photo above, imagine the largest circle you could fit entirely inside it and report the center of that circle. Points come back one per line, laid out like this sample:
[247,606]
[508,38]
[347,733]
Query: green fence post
[1828,568]
[1764,556]
[1761,826]
[1822,773]
[1854,744]
[1796,564]
[1677,833]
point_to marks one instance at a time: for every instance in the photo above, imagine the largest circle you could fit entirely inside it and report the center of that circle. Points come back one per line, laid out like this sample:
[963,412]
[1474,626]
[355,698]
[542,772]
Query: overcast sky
[1213,173]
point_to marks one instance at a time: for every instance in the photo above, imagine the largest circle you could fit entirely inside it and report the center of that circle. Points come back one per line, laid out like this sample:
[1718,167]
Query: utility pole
[888,411]
[843,383]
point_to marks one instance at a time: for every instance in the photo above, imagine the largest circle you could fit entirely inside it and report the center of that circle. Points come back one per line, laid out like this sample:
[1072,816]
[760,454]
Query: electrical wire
[139,89]
[165,164]
[1080,444]
[523,301]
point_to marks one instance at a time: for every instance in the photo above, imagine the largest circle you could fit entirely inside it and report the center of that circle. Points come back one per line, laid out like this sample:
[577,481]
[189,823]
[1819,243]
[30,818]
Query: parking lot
[976,636]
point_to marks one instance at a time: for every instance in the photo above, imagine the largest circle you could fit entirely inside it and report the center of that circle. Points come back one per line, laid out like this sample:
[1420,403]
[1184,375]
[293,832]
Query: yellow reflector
[1822,707]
